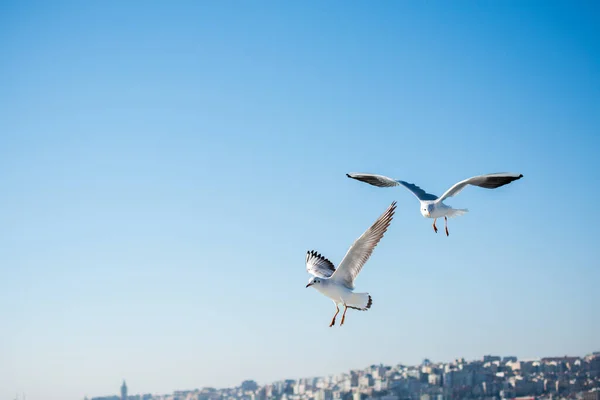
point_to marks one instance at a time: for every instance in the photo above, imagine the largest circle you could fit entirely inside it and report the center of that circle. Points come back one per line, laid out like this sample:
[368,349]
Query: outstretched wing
[384,181]
[489,181]
[362,248]
[318,265]
[375,180]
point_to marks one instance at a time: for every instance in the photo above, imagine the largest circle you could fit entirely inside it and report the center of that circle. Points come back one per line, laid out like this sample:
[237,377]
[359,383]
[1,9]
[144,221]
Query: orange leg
[344,314]
[446,223]
[335,315]
[434,227]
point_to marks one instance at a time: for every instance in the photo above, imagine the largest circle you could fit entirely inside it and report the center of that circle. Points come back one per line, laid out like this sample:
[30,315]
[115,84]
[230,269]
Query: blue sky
[165,167]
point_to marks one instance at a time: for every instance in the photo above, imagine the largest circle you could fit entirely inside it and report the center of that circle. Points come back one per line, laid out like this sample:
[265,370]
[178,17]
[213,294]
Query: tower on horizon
[124,390]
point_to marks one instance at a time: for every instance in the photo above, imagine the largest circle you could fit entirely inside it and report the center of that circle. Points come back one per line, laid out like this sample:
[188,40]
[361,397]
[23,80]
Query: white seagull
[433,206]
[338,284]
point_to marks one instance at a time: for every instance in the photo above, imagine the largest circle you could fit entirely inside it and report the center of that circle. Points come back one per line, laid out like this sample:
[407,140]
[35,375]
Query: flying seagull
[338,284]
[433,206]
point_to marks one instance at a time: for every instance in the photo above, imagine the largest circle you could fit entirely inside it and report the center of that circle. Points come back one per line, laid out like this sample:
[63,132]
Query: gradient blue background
[164,167]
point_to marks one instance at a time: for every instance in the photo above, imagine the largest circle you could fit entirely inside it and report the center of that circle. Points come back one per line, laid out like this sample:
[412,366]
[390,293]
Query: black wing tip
[313,253]
[515,178]
[392,207]
[509,175]
[494,182]
[316,254]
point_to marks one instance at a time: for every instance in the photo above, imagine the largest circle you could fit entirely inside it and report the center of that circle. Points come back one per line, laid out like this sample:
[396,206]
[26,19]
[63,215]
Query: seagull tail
[360,301]
[457,212]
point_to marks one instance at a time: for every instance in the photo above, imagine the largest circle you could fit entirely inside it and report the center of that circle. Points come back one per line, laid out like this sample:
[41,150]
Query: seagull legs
[344,314]
[434,227]
[446,223]
[335,315]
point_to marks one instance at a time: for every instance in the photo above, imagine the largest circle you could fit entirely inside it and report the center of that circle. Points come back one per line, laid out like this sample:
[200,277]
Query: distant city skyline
[558,377]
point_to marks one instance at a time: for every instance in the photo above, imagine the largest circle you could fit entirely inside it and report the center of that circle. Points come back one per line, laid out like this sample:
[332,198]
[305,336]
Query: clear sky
[165,166]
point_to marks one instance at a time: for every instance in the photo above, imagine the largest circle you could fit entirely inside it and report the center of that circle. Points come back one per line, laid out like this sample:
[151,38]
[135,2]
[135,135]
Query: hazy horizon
[165,168]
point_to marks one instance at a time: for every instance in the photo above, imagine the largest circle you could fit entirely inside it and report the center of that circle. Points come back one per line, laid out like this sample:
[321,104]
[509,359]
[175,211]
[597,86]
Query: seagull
[338,284]
[433,206]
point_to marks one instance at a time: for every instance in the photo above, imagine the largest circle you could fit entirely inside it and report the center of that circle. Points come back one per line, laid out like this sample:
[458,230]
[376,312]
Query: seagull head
[313,281]
[427,209]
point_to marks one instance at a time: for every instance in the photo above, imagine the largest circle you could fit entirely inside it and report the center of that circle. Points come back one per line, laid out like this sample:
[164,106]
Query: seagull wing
[318,265]
[489,181]
[375,180]
[362,248]
[384,181]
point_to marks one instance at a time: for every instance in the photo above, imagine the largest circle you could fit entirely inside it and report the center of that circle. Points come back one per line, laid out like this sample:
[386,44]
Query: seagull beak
[310,284]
